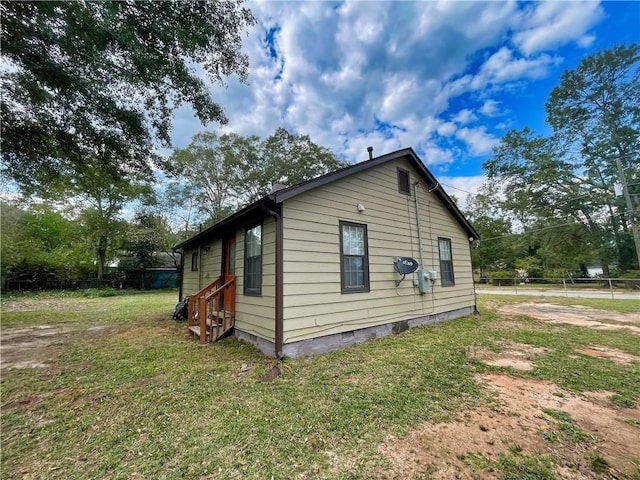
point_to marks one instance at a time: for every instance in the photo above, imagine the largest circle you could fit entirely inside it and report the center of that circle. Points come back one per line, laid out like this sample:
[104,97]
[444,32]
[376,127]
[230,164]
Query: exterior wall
[313,303]
[255,315]
[208,268]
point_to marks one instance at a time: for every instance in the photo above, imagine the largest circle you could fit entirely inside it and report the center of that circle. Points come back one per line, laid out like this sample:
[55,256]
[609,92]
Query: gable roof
[250,212]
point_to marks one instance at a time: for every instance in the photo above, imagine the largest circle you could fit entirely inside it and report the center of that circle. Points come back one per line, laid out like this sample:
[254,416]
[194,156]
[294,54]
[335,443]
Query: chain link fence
[613,287]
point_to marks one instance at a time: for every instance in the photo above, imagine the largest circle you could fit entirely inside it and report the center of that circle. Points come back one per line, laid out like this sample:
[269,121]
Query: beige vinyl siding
[313,302]
[256,314]
[190,280]
[208,269]
[210,262]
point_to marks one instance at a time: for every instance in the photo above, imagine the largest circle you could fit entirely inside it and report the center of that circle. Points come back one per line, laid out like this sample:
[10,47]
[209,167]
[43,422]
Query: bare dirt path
[576,315]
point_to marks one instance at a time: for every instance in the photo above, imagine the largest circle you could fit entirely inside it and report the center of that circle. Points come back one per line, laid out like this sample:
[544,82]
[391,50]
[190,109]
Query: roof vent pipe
[370,150]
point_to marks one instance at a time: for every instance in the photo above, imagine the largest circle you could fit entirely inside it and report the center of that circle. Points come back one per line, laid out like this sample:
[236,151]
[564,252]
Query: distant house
[318,265]
[160,271]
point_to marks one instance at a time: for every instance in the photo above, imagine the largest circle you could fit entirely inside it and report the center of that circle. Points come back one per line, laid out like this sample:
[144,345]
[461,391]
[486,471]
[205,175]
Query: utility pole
[632,213]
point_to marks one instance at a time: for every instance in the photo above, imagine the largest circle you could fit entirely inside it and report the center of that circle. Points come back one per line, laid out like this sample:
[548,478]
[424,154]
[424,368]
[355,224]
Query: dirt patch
[39,346]
[31,347]
[576,315]
[446,450]
[514,355]
[608,353]
[33,304]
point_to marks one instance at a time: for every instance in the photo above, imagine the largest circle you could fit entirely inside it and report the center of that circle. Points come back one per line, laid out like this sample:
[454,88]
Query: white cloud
[586,41]
[342,70]
[477,139]
[464,116]
[503,67]
[490,108]
[432,155]
[547,25]
[462,187]
[447,129]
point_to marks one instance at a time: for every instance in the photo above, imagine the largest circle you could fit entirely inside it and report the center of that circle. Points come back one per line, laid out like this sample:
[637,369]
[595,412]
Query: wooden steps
[212,311]
[224,319]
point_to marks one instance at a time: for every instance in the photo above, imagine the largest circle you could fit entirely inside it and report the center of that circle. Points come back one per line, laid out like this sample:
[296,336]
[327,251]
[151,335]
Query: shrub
[554,275]
[502,277]
[633,277]
[100,292]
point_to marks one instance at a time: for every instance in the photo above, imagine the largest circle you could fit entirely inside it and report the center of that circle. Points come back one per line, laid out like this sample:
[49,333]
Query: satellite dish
[405,265]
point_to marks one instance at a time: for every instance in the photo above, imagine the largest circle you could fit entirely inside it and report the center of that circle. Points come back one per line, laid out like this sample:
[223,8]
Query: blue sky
[446,78]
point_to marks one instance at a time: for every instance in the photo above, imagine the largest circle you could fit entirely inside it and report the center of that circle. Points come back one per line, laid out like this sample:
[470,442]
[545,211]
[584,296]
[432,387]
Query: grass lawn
[137,397]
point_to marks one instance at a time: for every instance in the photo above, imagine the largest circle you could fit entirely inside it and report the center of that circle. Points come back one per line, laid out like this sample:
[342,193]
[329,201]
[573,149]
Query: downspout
[415,192]
[180,273]
[475,294]
[199,264]
[279,282]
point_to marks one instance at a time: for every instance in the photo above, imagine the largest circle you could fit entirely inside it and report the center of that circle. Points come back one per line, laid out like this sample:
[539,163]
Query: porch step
[196,331]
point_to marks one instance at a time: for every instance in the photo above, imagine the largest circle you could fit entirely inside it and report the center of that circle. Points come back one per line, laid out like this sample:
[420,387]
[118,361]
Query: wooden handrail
[221,288]
[208,287]
[194,302]
[213,316]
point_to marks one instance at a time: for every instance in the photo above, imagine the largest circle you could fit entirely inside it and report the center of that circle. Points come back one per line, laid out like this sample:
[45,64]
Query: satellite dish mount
[404,265]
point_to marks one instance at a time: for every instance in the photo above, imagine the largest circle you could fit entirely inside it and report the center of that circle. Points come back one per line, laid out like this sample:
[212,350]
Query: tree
[495,250]
[542,188]
[146,236]
[83,80]
[99,198]
[178,206]
[595,110]
[211,166]
[288,159]
[560,190]
[225,172]
[36,240]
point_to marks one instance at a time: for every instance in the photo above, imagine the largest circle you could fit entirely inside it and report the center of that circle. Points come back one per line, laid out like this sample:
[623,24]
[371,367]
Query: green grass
[146,400]
[515,465]
[567,430]
[77,309]
[597,463]
[519,466]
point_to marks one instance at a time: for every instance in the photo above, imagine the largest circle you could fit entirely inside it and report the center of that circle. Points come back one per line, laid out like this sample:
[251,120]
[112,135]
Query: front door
[229,269]
[229,259]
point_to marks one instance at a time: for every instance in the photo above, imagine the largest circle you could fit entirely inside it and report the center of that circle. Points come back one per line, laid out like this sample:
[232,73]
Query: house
[162,272]
[362,252]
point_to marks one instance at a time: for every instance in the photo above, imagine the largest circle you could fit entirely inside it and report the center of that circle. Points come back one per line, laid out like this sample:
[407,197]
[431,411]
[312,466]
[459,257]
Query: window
[403,182]
[194,262]
[354,260]
[253,261]
[446,262]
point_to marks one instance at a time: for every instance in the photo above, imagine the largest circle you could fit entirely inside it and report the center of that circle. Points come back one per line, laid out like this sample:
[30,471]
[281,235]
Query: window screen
[253,261]
[446,262]
[354,260]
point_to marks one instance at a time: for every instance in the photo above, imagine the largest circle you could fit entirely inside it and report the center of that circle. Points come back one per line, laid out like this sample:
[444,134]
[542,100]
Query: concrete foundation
[327,343]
